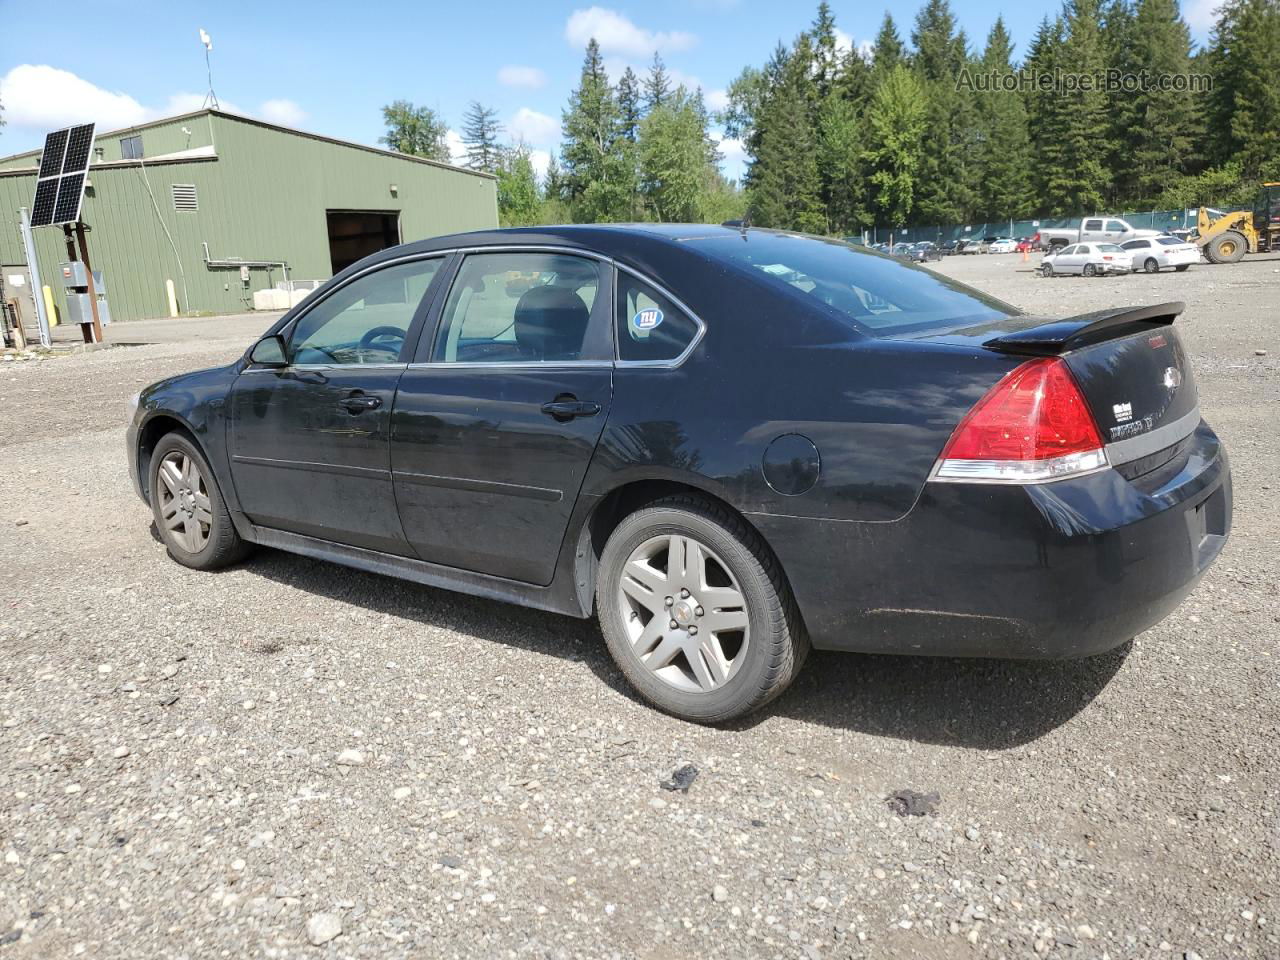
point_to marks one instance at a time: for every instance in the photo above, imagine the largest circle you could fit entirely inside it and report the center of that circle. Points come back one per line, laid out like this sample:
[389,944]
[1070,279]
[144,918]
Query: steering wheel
[377,333]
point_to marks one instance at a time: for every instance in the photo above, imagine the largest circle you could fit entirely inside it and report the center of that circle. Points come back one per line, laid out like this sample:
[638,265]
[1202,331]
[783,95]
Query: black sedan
[728,443]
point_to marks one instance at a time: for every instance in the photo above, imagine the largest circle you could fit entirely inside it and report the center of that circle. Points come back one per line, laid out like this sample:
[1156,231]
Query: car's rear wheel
[1151,266]
[696,612]
[188,507]
[1090,270]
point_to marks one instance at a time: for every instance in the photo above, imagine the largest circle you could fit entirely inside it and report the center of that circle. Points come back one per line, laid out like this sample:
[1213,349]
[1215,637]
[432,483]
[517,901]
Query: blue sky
[329,67]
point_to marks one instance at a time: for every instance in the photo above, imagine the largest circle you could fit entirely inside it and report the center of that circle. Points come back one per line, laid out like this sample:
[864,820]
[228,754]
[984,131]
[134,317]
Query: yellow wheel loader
[1227,238]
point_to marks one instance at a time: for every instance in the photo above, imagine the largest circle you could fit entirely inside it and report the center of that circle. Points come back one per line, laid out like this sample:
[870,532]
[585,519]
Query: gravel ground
[292,759]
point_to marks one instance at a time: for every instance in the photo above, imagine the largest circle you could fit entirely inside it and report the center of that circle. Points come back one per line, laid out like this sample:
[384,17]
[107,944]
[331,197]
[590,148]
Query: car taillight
[1031,427]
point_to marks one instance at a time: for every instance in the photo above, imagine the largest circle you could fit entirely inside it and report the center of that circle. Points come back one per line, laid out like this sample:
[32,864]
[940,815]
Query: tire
[738,572]
[1227,247]
[1182,267]
[1046,269]
[1151,266]
[1090,270]
[197,534]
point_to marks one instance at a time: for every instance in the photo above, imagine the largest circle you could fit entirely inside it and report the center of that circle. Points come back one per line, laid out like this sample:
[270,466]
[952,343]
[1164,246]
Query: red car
[1028,244]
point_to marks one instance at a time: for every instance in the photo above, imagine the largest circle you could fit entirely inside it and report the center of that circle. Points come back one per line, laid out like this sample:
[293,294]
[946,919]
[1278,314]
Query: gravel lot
[241,764]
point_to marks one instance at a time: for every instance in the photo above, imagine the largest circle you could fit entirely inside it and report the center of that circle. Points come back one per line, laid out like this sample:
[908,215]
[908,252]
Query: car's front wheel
[188,507]
[1046,269]
[696,612]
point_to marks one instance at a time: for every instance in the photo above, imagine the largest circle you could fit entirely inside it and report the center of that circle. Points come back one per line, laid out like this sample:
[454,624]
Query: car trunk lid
[1129,363]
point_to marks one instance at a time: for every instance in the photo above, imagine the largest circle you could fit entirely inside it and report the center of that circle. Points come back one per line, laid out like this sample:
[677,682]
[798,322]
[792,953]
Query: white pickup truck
[1093,229]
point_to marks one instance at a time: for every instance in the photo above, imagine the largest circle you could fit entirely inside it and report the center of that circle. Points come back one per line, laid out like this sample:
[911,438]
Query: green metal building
[224,205]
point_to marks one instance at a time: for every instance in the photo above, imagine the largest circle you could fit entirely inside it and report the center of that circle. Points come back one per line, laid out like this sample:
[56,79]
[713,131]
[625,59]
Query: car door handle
[568,409]
[359,403]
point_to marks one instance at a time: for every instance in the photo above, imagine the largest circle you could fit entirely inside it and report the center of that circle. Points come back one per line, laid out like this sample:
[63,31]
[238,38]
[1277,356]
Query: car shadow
[979,704]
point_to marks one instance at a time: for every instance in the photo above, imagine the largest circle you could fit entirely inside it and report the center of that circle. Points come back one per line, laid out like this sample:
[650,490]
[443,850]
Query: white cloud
[717,99]
[457,149]
[513,75]
[540,160]
[45,98]
[733,158]
[284,112]
[1201,15]
[844,42]
[617,34]
[867,50]
[41,98]
[534,128]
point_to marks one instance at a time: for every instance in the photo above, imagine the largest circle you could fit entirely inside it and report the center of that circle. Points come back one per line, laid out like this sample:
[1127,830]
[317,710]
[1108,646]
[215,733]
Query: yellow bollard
[50,310]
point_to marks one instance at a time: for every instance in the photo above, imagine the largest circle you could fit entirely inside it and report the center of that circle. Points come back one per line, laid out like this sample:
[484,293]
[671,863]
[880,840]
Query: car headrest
[551,323]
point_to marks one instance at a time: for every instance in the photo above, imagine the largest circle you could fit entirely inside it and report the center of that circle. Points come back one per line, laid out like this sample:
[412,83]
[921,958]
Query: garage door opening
[354,234]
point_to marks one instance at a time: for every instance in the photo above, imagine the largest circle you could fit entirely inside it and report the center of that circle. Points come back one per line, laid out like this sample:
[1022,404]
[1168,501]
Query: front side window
[1115,226]
[1068,251]
[365,321]
[650,326]
[521,308]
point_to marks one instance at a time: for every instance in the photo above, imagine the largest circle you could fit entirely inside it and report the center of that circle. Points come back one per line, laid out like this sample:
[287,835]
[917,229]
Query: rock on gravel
[323,927]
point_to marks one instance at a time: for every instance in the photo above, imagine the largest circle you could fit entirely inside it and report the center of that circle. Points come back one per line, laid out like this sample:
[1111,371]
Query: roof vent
[184,197]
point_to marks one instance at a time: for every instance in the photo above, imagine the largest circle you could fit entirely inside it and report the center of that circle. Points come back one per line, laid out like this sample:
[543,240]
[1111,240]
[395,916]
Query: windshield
[878,294]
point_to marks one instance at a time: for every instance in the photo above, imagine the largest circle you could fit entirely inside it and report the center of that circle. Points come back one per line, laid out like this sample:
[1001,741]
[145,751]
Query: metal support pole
[88,273]
[33,268]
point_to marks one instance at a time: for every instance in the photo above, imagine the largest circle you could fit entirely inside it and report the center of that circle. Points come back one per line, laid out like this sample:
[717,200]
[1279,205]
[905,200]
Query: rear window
[1109,248]
[878,294]
[1135,245]
[1169,241]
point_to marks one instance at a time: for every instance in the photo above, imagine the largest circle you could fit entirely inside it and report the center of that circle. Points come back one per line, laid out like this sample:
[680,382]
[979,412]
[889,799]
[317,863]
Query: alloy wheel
[684,613]
[184,501]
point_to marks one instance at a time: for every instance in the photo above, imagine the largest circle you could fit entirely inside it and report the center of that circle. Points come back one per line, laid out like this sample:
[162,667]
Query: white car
[1156,253]
[1088,259]
[1002,245]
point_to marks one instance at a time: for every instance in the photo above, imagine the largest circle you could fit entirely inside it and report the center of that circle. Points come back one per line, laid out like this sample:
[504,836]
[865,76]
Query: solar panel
[64,165]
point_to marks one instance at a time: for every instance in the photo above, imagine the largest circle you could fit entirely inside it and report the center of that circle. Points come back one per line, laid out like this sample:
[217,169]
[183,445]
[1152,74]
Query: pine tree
[1079,183]
[1165,137]
[599,169]
[480,131]
[1044,108]
[1119,39]
[887,51]
[840,169]
[895,125]
[629,108]
[1245,103]
[1004,150]
[417,131]
[826,57]
[783,182]
[657,85]
[518,201]
[946,186]
[676,157]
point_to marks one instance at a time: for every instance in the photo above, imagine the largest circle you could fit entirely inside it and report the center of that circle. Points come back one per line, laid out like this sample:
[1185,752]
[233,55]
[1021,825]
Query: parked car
[1002,245]
[906,465]
[948,247]
[1087,259]
[971,246]
[925,250]
[1100,229]
[1026,245]
[901,250]
[1154,254]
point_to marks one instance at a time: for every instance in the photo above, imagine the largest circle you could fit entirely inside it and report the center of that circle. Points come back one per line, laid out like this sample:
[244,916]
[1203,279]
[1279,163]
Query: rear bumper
[1063,569]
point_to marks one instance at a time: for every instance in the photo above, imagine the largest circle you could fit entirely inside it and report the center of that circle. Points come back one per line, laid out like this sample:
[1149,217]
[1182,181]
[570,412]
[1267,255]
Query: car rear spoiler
[1055,337]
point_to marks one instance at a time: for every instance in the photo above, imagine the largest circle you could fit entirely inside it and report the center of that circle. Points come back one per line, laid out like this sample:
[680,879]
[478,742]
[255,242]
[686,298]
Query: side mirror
[269,352]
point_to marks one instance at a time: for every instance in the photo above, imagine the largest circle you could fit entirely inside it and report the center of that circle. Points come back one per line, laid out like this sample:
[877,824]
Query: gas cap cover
[791,464]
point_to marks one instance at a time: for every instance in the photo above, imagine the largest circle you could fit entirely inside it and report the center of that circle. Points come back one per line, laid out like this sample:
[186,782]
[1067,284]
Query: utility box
[75,282]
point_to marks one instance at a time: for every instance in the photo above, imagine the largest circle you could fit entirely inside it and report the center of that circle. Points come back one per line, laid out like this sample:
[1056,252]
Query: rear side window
[650,326]
[1093,224]
[1084,248]
[880,295]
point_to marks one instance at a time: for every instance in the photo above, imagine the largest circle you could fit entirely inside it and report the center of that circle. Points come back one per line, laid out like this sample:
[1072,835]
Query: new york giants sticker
[647,319]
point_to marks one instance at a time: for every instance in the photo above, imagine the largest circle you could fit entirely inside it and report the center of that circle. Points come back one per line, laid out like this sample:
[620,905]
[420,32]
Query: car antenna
[744,225]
